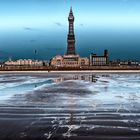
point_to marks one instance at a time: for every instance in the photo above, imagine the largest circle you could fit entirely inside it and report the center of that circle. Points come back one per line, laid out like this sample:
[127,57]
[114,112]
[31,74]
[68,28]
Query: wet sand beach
[91,106]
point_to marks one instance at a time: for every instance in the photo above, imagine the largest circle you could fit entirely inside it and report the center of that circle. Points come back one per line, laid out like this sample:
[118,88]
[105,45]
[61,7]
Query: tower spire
[71,36]
[71,9]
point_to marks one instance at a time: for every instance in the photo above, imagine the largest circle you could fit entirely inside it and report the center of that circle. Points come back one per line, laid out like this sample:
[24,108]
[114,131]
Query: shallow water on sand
[70,106]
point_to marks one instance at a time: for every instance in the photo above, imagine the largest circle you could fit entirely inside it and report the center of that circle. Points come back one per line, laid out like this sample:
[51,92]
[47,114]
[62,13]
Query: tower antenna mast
[70,3]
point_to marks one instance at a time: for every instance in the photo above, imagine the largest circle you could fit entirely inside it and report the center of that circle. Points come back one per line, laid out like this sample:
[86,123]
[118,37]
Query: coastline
[72,71]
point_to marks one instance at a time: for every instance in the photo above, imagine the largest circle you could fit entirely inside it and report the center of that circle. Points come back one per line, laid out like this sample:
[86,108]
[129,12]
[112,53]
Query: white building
[24,62]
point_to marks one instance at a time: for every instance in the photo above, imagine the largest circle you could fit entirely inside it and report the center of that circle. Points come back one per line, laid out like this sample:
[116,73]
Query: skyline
[42,25]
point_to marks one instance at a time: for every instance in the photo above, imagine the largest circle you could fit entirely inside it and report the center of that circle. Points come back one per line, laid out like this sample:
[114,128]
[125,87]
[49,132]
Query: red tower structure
[71,36]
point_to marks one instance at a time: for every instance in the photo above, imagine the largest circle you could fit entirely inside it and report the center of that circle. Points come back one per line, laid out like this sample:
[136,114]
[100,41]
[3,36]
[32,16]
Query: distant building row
[64,61]
[72,61]
[24,62]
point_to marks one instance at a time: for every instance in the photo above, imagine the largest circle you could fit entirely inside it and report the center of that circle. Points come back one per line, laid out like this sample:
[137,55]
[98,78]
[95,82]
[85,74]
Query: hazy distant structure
[97,60]
[70,59]
[1,64]
[71,36]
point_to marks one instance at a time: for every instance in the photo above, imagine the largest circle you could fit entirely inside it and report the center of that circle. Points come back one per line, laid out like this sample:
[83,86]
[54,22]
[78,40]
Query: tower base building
[69,61]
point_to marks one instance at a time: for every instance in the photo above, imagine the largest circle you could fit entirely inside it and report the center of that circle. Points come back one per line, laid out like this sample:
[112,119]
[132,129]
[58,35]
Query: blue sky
[26,25]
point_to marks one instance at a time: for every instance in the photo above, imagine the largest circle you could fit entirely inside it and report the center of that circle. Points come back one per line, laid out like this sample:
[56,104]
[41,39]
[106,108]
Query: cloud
[32,40]
[58,24]
[81,24]
[28,29]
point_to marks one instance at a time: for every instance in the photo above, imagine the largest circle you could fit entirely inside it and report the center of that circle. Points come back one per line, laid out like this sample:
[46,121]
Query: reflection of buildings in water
[89,78]
[75,77]
[83,77]
[62,79]
[59,80]
[93,78]
[106,88]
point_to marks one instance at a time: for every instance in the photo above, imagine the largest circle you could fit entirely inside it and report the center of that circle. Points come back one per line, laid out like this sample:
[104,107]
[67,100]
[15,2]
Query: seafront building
[124,63]
[129,63]
[24,62]
[99,60]
[69,61]
[71,58]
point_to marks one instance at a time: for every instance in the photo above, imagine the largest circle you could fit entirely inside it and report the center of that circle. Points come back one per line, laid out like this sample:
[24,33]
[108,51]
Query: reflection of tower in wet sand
[92,78]
[72,107]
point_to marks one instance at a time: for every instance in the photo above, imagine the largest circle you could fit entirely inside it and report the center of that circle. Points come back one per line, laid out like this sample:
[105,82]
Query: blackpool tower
[71,36]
